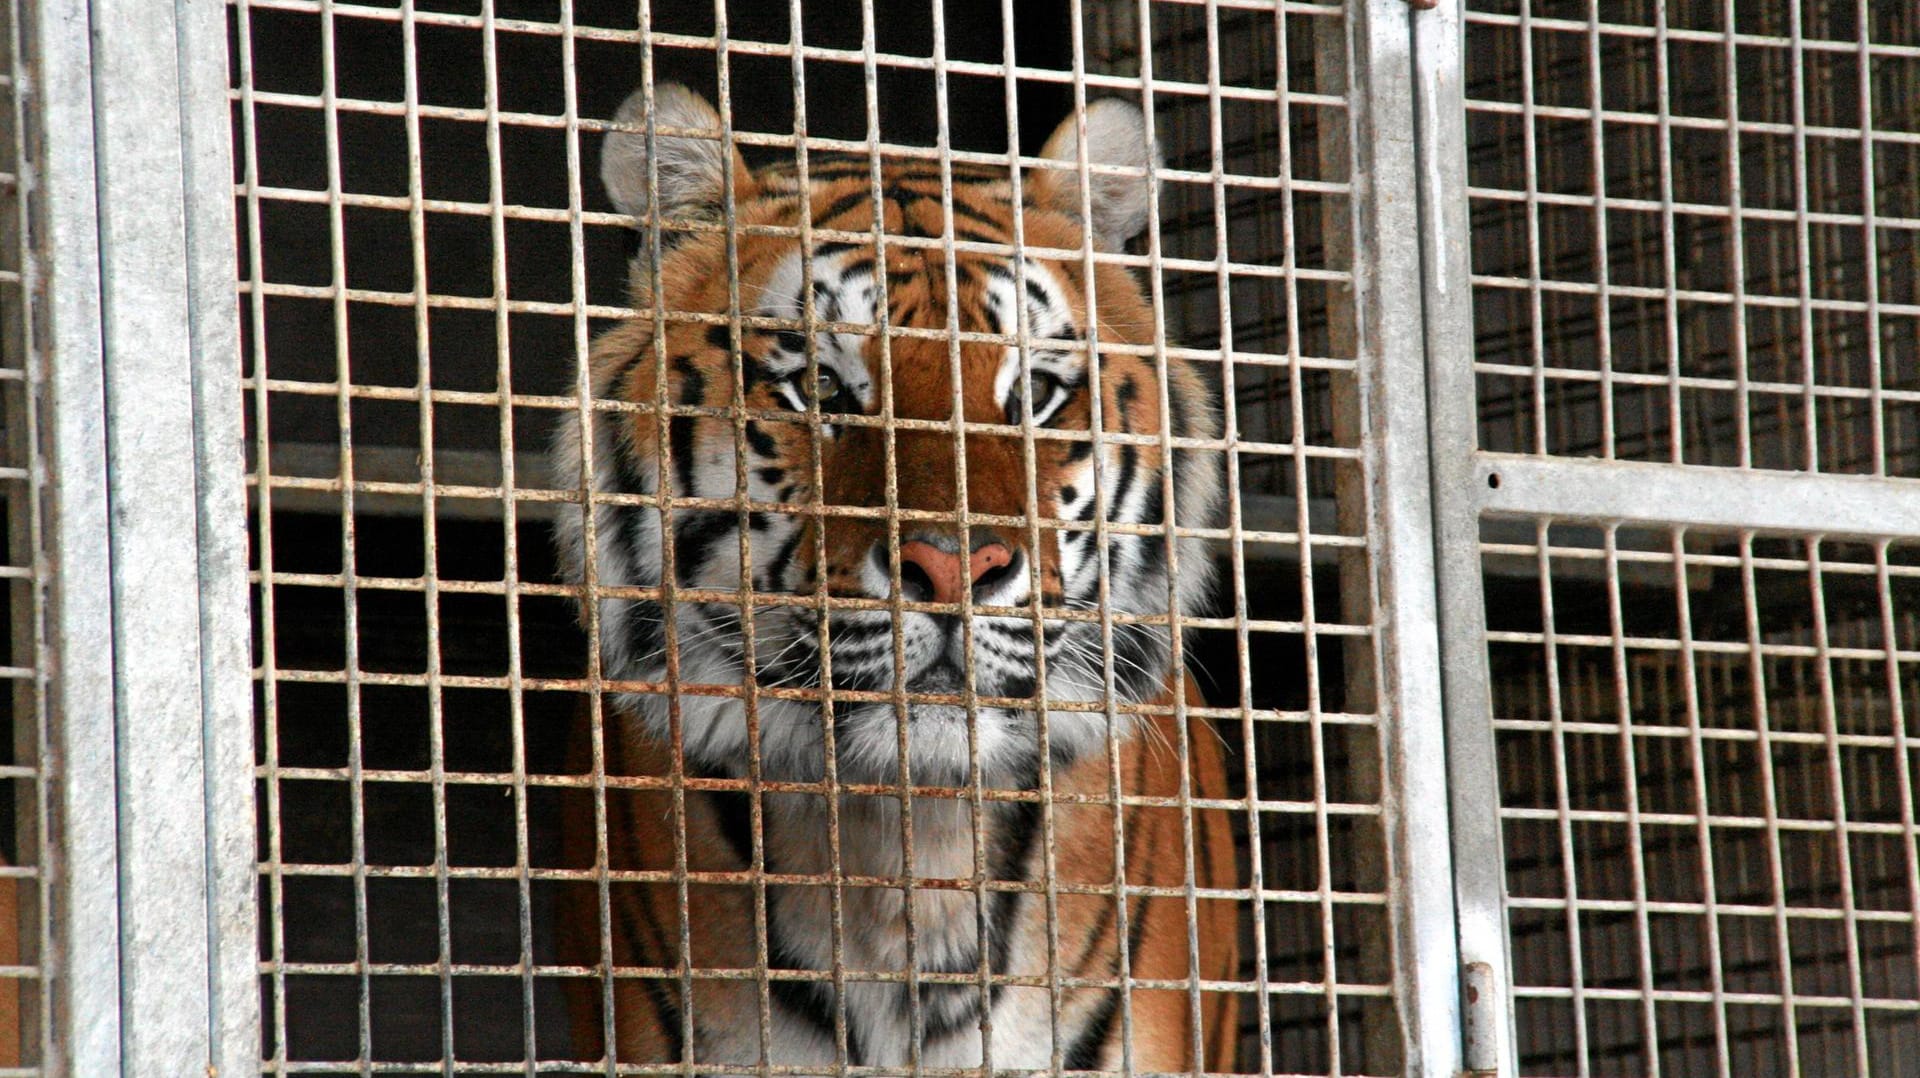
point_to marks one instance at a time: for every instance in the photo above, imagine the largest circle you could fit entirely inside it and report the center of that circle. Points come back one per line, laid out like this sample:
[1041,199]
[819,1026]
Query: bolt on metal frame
[1671,343]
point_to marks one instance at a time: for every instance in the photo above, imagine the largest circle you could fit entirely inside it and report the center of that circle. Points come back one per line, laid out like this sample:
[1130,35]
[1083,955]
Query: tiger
[979,965]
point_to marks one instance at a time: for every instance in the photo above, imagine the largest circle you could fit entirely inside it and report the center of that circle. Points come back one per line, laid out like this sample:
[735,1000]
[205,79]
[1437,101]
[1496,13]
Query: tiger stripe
[1049,918]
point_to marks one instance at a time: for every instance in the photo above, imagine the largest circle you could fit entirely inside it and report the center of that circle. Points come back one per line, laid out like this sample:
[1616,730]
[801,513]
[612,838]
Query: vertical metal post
[1386,289]
[155,571]
[177,546]
[219,457]
[1439,102]
[84,958]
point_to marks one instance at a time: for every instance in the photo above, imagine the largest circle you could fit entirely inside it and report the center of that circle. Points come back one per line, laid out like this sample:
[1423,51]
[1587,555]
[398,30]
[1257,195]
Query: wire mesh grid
[1695,234]
[24,925]
[1706,790]
[453,776]
[1694,242]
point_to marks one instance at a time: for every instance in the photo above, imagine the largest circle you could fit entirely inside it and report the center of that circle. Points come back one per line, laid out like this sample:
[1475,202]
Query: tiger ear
[692,170]
[1116,135]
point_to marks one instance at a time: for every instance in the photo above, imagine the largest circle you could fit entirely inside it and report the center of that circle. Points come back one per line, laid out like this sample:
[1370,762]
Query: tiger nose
[939,576]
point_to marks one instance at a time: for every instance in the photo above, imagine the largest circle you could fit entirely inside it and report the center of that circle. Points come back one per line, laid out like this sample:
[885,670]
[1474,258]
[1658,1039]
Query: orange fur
[720,918]
[653,927]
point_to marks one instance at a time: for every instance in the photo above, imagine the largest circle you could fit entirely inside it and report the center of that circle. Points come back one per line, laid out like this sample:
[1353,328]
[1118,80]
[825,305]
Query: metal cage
[1561,657]
[1693,244]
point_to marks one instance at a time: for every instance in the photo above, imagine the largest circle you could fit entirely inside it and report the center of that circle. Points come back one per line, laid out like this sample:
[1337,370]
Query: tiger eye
[826,384]
[1046,392]
[1040,387]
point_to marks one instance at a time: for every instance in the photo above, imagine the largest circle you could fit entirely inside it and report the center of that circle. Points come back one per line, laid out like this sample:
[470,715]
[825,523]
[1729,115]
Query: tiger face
[815,442]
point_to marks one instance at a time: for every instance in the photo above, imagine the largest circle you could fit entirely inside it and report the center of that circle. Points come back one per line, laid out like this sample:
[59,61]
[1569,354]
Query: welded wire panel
[1695,231]
[1706,793]
[586,482]
[25,1012]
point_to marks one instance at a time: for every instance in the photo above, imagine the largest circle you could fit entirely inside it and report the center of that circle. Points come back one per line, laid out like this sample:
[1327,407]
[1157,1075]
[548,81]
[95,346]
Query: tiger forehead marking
[854,360]
[844,290]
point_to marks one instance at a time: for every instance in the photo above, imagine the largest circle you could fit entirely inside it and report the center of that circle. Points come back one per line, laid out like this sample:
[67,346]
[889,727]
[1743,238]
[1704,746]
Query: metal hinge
[1478,998]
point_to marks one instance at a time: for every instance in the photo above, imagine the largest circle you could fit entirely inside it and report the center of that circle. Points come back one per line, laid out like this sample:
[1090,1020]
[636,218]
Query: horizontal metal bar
[1690,295]
[1681,995]
[1644,732]
[687,688]
[288,773]
[749,878]
[736,45]
[467,484]
[1726,909]
[1570,488]
[772,140]
[1697,123]
[771,1070]
[1752,386]
[803,976]
[1714,210]
[1691,35]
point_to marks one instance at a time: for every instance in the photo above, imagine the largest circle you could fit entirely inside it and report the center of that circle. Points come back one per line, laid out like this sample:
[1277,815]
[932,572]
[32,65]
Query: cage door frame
[1394,421]
[1479,878]
[1471,483]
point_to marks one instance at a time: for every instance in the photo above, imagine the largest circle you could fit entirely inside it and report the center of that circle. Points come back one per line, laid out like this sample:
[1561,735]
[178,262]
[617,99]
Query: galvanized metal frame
[220,493]
[1387,267]
[1479,877]
[147,853]
[82,953]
